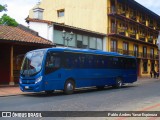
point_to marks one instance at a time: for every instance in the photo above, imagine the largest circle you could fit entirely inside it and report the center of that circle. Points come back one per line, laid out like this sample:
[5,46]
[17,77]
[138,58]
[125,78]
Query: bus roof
[98,52]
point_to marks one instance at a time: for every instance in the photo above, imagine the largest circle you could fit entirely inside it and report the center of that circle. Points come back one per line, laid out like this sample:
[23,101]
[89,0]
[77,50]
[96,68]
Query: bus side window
[67,63]
[68,60]
[121,63]
[75,61]
[53,62]
[109,62]
[130,63]
[91,61]
[126,65]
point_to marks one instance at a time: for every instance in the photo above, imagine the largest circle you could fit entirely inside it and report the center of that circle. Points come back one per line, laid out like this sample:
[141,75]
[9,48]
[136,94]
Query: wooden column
[11,82]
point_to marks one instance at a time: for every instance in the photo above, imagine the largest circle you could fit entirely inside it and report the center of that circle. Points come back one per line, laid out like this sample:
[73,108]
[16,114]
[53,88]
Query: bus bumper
[30,87]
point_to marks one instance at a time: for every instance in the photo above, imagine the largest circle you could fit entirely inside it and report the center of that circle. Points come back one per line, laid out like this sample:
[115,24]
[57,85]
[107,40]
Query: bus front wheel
[69,87]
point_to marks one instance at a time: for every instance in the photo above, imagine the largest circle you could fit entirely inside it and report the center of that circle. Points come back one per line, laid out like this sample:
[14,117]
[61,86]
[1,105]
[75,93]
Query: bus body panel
[55,80]
[28,84]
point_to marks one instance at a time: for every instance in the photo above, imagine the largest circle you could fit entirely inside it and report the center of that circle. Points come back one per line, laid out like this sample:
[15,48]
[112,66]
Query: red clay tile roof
[38,20]
[9,33]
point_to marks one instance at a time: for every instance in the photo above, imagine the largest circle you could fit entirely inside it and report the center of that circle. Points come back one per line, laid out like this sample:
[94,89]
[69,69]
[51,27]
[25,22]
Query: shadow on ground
[78,91]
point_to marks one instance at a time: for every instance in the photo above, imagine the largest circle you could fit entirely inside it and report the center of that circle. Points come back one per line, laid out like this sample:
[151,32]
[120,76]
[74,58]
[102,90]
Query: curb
[7,95]
[4,86]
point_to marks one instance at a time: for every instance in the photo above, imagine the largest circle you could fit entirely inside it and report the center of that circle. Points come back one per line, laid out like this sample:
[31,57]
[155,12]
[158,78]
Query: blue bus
[66,69]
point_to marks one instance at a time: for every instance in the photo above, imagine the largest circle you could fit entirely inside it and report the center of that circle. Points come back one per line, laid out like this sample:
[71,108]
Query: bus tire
[69,87]
[119,83]
[49,92]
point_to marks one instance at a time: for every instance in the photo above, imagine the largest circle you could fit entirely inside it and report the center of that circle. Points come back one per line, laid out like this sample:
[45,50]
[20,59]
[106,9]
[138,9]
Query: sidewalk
[15,90]
[10,91]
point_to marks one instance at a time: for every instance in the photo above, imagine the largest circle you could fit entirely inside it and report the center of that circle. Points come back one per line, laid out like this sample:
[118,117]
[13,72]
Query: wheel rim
[119,83]
[69,86]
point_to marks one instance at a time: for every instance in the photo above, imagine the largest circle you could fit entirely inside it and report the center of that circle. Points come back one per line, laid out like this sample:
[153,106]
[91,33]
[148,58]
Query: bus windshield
[32,63]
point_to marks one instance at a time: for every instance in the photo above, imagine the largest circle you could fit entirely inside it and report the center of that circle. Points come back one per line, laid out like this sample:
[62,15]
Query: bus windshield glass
[32,63]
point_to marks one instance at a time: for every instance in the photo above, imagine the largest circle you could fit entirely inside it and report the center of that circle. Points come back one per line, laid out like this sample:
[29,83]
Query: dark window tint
[53,62]
[130,63]
[79,60]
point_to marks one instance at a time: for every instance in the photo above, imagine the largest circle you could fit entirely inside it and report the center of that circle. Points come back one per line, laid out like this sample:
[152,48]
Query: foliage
[3,8]
[7,20]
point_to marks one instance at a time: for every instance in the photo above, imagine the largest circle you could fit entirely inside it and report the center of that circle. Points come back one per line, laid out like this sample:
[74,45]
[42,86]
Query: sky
[19,9]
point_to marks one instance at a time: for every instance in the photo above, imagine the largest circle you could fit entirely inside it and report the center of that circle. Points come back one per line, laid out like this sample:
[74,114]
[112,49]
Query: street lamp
[158,44]
[67,38]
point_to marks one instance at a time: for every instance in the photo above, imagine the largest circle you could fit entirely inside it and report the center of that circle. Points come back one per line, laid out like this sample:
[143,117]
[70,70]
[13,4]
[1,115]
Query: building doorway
[152,65]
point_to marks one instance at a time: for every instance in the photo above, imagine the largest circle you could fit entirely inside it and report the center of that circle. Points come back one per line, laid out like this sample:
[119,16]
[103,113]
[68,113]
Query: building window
[92,42]
[113,45]
[135,50]
[145,52]
[152,53]
[99,44]
[85,42]
[79,41]
[60,13]
[113,27]
[145,66]
[58,37]
[125,48]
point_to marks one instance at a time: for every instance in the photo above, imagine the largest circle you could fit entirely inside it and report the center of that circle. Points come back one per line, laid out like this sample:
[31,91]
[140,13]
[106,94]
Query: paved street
[140,96]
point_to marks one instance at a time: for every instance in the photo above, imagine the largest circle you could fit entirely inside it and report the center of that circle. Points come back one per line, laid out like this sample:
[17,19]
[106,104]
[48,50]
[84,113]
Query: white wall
[51,33]
[44,30]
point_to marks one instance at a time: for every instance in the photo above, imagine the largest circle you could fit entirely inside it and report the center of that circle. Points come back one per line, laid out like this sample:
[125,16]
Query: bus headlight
[38,80]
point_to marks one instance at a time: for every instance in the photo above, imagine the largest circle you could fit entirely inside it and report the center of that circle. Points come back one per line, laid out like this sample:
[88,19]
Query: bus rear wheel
[119,83]
[69,87]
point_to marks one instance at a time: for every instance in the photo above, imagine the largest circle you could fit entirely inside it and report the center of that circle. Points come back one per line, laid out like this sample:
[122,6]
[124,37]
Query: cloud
[18,9]
[153,5]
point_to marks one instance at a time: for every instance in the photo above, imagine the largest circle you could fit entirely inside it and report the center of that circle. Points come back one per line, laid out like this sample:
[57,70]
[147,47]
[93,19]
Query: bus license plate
[26,87]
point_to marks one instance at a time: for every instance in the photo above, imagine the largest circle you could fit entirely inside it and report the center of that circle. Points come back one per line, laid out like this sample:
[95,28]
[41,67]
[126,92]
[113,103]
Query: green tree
[3,8]
[7,20]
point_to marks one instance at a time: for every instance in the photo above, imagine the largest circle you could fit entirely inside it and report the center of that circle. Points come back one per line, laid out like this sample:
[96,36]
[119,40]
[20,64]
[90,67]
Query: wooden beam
[11,82]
